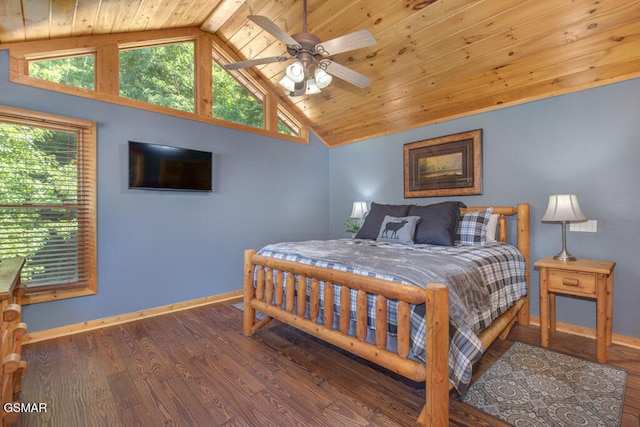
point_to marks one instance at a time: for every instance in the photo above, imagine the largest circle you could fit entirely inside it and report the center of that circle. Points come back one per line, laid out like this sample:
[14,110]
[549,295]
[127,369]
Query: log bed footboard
[269,299]
[302,310]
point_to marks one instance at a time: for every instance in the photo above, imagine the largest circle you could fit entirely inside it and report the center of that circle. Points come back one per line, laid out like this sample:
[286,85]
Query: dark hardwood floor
[196,368]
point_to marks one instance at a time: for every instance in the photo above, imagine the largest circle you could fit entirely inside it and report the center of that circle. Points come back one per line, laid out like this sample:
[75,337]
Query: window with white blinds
[47,201]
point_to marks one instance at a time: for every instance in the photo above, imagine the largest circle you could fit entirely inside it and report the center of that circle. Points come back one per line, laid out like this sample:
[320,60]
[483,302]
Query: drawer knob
[571,282]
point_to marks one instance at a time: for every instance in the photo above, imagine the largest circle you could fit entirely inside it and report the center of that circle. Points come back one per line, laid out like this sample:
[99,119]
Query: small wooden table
[583,278]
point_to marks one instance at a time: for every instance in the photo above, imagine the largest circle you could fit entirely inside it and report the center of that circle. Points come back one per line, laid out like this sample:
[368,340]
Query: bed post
[436,409]
[523,244]
[249,292]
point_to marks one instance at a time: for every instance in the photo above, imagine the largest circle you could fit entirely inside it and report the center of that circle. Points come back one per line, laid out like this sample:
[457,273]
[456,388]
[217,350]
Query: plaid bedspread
[494,273]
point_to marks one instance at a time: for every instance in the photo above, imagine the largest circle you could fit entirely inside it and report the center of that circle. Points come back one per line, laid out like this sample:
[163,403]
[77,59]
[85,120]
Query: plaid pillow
[472,229]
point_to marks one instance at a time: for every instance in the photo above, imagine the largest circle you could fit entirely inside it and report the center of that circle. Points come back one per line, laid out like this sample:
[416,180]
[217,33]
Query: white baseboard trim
[34,337]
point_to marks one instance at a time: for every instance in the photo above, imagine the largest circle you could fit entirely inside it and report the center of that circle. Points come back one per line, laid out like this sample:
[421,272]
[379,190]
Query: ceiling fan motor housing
[306,52]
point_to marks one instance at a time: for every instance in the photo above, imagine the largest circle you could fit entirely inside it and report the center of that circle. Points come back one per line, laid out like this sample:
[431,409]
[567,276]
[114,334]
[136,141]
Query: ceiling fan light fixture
[310,73]
[288,84]
[295,72]
[312,87]
[322,78]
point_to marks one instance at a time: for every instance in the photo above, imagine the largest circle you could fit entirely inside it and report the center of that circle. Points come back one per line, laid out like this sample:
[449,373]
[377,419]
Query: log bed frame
[270,299]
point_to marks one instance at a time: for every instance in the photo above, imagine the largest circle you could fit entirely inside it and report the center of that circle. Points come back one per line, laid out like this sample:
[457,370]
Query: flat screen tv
[161,167]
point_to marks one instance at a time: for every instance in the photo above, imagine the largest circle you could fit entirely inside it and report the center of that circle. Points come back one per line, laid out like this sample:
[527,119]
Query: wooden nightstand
[583,278]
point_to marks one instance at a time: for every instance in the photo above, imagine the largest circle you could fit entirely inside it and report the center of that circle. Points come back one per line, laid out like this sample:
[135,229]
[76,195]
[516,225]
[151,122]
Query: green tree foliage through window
[78,71]
[232,102]
[160,75]
[38,201]
[165,75]
[282,128]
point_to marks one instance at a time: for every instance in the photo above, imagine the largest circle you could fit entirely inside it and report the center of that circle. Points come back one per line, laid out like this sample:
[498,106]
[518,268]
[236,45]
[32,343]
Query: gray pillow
[398,230]
[371,227]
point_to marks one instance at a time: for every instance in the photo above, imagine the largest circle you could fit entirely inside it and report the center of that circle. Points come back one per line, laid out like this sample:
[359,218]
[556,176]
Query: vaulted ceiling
[433,60]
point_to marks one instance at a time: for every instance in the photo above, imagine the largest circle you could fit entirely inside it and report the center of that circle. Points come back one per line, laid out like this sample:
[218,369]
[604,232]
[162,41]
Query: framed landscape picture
[444,166]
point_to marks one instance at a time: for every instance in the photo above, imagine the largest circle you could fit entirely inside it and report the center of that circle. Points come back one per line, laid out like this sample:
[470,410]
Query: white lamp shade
[312,87]
[322,78]
[295,72]
[359,210]
[288,84]
[563,208]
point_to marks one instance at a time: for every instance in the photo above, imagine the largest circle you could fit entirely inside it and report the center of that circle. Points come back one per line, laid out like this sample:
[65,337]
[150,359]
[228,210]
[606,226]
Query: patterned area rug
[240,306]
[531,386]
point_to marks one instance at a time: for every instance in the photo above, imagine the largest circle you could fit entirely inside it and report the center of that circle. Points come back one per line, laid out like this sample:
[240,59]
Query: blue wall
[587,143]
[156,247]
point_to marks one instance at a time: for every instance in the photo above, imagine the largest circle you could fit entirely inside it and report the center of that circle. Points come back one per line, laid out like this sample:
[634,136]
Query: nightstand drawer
[572,283]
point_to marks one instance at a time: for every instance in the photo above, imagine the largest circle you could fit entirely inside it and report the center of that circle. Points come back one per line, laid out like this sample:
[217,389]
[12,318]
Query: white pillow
[492,229]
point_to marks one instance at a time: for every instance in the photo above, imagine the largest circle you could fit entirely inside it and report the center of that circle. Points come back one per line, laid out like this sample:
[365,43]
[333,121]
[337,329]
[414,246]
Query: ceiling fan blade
[351,41]
[253,62]
[345,73]
[269,26]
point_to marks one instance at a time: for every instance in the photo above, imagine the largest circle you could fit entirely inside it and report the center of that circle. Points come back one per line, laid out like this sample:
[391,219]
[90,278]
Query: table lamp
[564,208]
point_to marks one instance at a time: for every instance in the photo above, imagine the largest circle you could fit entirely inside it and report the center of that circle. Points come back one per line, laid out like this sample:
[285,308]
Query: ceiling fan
[312,71]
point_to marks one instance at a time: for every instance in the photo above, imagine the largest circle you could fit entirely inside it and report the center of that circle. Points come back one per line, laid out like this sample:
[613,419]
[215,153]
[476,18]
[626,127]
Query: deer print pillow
[398,230]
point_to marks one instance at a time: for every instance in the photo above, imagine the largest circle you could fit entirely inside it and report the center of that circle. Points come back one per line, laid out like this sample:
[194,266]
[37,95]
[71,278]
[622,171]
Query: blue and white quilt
[483,282]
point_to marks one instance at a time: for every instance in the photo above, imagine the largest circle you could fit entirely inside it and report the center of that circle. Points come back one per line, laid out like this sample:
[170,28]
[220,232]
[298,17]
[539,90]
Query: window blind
[47,201]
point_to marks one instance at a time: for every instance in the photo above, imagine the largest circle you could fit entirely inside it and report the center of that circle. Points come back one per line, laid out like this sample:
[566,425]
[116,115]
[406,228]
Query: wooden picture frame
[444,166]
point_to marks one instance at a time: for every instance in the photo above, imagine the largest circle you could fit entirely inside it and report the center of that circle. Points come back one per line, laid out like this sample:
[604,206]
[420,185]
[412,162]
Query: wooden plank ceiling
[433,60]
